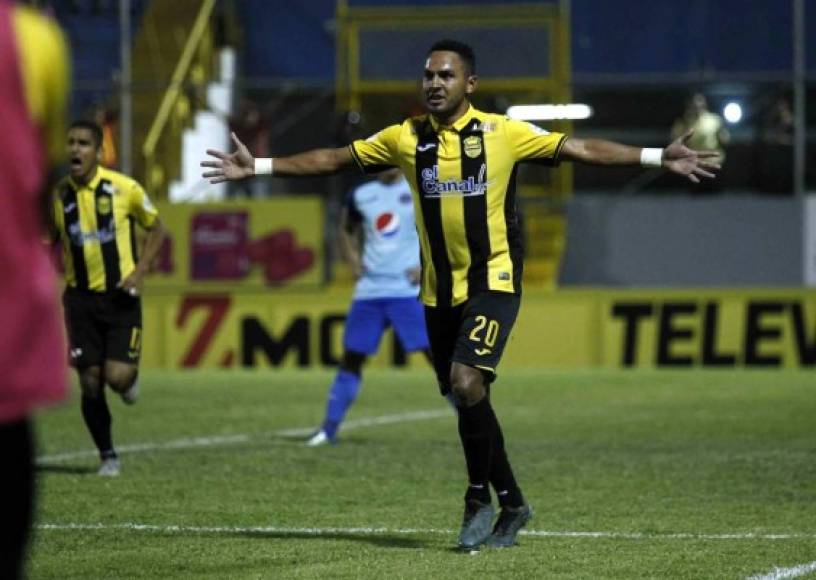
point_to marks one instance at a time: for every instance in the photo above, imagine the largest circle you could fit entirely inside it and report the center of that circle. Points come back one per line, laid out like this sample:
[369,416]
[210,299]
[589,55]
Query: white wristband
[263,165]
[651,157]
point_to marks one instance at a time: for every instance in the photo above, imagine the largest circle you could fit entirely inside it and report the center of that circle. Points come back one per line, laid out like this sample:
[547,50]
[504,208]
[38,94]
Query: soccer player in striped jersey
[95,212]
[461,165]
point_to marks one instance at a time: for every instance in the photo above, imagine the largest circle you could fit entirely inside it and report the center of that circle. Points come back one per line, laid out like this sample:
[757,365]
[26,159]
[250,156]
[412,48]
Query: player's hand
[414,275]
[678,158]
[230,166]
[132,284]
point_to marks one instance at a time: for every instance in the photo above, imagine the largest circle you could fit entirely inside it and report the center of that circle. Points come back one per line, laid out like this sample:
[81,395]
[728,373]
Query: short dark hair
[464,51]
[94,128]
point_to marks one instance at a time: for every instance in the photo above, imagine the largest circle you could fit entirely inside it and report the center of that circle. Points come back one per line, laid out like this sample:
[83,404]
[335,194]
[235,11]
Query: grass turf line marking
[782,573]
[190,442]
[283,531]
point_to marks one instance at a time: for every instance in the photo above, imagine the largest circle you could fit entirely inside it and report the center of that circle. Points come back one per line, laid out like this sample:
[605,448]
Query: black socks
[501,474]
[98,420]
[475,432]
[483,444]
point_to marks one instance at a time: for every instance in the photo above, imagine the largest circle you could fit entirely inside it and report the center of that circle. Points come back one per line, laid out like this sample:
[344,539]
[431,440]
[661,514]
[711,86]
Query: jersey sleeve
[45,69]
[379,151]
[529,142]
[141,207]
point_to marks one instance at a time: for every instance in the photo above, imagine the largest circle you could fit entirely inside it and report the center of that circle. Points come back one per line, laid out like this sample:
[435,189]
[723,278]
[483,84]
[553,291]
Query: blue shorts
[367,320]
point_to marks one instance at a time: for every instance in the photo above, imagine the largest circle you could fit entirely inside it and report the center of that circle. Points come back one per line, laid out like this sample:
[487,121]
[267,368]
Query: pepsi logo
[387,224]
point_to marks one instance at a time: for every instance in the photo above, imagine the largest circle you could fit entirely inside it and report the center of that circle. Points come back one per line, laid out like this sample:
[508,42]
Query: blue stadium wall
[625,37]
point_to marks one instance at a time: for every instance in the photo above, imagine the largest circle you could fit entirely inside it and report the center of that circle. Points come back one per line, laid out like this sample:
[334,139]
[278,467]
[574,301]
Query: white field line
[363,531]
[782,573]
[217,440]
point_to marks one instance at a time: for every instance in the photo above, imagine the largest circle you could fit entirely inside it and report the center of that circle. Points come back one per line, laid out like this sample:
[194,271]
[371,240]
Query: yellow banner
[234,330]
[241,245]
[566,329]
[713,330]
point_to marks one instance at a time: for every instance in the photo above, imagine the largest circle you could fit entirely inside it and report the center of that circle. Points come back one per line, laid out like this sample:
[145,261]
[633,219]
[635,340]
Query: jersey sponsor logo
[482,351]
[70,207]
[487,127]
[109,188]
[504,276]
[76,353]
[387,224]
[432,187]
[426,146]
[405,198]
[473,146]
[80,238]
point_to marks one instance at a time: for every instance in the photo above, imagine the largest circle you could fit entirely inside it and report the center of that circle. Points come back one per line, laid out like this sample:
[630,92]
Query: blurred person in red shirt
[33,366]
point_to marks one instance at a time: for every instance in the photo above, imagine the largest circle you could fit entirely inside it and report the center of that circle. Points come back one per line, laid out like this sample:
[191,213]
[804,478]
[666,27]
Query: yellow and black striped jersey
[95,223]
[463,181]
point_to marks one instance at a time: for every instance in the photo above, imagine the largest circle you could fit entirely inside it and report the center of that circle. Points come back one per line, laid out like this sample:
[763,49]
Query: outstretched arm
[677,157]
[241,164]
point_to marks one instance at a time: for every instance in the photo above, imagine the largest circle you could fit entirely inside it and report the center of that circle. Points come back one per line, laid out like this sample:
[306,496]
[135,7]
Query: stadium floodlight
[732,112]
[570,111]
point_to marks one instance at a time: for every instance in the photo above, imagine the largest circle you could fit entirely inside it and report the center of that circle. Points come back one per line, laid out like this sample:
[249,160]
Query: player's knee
[121,379]
[467,385]
[353,362]
[90,382]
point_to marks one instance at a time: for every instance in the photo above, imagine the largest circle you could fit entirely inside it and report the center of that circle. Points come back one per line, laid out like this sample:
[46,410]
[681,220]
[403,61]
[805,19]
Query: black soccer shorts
[473,333]
[102,326]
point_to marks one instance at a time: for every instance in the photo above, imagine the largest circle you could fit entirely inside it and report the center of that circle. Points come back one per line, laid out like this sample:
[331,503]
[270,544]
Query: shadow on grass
[65,469]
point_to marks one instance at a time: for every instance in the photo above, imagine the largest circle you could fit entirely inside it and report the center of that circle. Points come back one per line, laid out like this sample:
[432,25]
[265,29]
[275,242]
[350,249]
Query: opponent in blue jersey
[387,286]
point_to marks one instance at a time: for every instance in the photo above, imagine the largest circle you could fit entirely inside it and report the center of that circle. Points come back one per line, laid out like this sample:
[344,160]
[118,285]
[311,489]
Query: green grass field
[632,474]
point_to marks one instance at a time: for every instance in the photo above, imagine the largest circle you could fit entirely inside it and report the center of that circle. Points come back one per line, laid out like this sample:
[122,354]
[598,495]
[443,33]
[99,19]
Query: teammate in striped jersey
[95,212]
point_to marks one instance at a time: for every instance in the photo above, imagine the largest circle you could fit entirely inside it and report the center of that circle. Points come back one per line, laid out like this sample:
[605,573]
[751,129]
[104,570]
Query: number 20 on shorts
[489,329]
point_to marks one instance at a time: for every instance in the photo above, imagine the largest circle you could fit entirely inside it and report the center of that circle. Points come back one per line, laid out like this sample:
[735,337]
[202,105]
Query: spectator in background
[775,163]
[252,126]
[710,134]
[33,95]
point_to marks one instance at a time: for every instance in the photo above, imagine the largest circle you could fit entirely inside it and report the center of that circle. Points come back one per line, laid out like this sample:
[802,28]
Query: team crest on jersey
[472,146]
[387,224]
[103,205]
